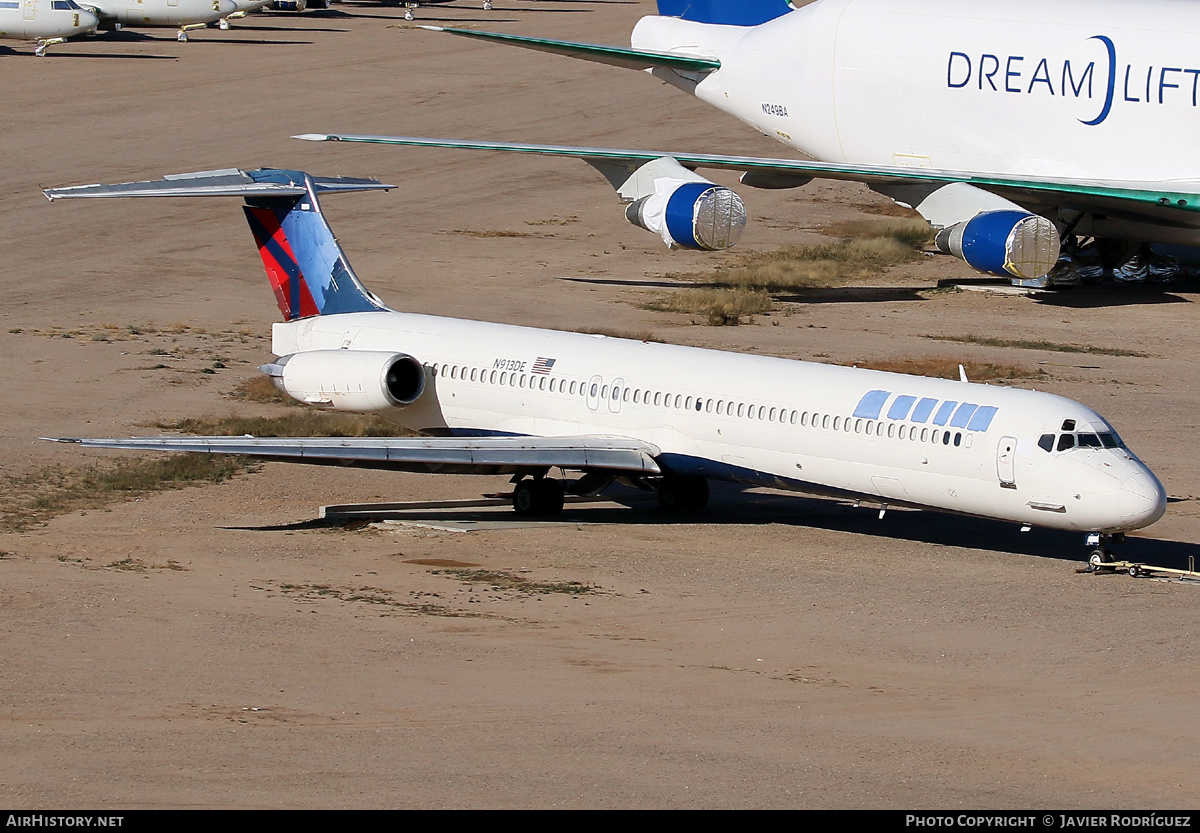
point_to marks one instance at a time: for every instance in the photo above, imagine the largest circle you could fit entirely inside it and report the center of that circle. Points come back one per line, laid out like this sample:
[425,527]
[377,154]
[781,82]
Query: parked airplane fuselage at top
[1103,89]
[849,432]
[44,19]
[135,13]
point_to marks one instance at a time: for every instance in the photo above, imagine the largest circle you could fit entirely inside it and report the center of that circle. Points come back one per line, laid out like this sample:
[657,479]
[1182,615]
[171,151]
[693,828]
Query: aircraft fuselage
[886,437]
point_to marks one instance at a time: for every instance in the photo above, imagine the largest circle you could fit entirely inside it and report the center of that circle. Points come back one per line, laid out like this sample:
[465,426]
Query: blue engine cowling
[1009,244]
[695,215]
[289,5]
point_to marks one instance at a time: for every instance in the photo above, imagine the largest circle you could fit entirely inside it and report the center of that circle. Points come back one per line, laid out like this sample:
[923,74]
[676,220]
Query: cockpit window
[1068,425]
[1046,442]
[1066,442]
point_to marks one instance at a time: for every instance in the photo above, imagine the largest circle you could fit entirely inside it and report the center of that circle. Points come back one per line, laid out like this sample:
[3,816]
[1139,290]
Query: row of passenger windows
[721,407]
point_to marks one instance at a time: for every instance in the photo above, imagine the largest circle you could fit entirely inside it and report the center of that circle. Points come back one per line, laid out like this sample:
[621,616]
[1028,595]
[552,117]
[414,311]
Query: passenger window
[837,422]
[1046,442]
[957,439]
[1066,442]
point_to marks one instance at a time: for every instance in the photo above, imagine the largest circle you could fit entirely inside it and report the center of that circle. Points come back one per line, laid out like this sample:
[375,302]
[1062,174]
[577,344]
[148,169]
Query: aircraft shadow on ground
[731,506]
[1099,297]
[831,295]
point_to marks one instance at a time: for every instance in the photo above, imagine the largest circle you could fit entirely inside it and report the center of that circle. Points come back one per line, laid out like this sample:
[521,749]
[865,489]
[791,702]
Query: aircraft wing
[447,455]
[1163,202]
[616,56]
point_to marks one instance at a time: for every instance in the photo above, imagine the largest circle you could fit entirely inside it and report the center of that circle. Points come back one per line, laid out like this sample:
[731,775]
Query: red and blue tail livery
[307,268]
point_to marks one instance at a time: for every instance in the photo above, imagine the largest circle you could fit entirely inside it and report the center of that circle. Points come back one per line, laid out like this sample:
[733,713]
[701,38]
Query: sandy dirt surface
[210,647]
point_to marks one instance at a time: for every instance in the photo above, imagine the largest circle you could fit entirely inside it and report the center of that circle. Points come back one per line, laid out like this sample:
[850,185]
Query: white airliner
[1016,127]
[185,15]
[46,21]
[498,399]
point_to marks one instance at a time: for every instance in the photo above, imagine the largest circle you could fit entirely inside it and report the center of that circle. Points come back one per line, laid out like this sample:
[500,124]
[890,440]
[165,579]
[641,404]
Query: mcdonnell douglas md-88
[1019,128]
[500,399]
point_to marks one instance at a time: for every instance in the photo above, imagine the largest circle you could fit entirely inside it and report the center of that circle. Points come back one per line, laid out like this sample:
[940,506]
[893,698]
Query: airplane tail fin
[726,12]
[306,266]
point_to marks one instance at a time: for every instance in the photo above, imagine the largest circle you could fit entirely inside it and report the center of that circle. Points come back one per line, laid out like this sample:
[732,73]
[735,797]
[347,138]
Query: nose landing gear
[1102,555]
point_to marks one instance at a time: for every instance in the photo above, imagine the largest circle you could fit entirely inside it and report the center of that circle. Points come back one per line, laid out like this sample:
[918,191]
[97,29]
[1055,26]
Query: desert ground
[212,646]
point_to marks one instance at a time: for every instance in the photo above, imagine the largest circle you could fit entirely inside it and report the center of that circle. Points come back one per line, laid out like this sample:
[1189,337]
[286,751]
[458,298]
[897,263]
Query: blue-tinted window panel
[943,413]
[901,407]
[923,410]
[982,420]
[871,404]
[963,415]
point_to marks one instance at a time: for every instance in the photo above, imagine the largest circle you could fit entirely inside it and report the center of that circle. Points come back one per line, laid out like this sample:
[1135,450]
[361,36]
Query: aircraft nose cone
[1142,501]
[88,21]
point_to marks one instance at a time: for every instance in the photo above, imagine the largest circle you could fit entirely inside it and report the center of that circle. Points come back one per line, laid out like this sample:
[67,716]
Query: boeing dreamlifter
[500,399]
[1019,128]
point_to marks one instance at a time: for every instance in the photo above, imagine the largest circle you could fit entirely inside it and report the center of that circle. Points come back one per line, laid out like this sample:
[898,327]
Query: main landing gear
[537,495]
[682,494]
[408,8]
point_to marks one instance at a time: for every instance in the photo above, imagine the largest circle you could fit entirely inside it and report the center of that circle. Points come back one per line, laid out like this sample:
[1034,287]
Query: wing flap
[472,455]
[616,56]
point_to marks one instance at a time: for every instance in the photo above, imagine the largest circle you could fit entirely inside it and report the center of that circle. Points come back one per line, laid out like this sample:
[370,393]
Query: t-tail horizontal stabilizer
[307,268]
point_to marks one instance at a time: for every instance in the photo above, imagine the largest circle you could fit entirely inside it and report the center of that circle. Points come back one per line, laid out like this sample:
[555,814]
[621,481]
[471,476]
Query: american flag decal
[543,365]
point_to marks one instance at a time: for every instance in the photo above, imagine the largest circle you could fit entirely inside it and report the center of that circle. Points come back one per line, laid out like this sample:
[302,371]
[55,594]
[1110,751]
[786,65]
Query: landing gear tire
[408,15]
[682,494]
[223,25]
[182,37]
[538,498]
[487,5]
[1135,570]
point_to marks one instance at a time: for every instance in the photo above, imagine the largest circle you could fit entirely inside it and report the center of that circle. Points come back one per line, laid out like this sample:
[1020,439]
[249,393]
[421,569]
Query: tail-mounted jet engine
[361,381]
[679,205]
[1010,244]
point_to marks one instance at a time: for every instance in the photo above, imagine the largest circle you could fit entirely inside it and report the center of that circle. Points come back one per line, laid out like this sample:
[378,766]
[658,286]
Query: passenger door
[1006,462]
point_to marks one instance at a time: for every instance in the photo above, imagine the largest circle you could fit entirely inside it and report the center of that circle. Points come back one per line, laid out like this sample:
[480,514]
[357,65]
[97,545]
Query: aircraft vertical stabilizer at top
[500,399]
[48,22]
[1044,141]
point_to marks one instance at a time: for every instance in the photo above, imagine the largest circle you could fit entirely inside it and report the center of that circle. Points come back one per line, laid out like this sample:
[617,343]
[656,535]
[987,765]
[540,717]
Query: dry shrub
[261,389]
[609,332]
[718,306]
[37,497]
[948,369]
[309,422]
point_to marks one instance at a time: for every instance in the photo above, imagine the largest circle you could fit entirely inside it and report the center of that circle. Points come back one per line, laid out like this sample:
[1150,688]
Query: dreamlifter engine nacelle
[362,381]
[1010,244]
[679,205]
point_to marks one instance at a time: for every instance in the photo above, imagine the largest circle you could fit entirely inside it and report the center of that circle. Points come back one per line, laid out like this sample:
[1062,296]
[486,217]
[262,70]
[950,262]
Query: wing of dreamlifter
[616,56]
[1177,202]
